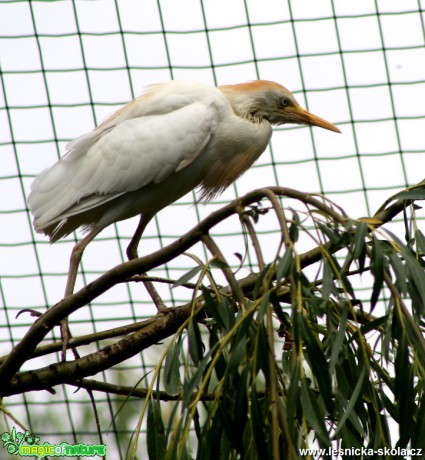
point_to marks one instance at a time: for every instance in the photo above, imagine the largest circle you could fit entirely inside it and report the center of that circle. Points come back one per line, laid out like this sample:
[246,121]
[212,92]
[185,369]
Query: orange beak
[301,116]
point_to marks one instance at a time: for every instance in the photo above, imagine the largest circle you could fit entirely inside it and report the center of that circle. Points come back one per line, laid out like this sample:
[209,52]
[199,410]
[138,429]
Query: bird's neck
[244,105]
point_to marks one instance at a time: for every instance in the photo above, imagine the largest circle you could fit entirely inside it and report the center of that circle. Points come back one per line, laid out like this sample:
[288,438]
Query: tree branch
[164,324]
[71,371]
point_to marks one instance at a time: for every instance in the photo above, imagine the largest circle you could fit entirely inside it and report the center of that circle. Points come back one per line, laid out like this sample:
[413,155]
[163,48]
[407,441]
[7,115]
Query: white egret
[176,137]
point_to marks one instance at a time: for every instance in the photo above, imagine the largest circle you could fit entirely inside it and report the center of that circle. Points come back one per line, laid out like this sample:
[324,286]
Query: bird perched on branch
[176,137]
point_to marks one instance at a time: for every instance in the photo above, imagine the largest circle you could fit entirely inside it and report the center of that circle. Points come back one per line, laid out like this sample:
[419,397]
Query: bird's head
[266,100]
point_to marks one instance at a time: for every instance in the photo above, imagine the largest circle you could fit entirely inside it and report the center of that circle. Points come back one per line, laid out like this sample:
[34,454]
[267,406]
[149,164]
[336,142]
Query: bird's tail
[52,193]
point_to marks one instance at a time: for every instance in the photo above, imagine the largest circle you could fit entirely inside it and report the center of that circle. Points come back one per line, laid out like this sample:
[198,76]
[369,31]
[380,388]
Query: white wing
[124,154]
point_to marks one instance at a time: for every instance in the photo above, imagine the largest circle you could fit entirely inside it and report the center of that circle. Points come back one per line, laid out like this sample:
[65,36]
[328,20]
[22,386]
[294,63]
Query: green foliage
[155,431]
[310,359]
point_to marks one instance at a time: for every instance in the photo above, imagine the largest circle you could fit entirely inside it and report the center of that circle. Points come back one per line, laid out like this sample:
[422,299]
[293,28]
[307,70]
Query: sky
[66,66]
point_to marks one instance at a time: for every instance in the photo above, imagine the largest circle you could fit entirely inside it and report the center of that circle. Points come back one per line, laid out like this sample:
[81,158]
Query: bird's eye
[284,102]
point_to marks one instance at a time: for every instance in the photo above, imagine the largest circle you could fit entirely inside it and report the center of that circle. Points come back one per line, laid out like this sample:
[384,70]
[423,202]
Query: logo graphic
[13,440]
[26,445]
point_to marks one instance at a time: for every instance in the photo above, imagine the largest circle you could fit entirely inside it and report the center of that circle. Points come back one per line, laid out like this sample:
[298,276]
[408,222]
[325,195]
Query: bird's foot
[66,337]
[66,340]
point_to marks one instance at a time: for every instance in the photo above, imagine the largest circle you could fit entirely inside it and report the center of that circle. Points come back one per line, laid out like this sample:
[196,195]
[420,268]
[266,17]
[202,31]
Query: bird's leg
[133,254]
[134,243]
[76,255]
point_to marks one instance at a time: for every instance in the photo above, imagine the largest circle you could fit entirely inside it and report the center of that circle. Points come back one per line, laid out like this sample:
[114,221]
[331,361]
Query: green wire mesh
[66,65]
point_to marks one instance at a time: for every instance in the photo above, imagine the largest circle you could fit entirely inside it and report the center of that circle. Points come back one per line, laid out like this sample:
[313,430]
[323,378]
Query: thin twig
[154,294]
[88,338]
[246,221]
[280,215]
[215,251]
[129,391]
